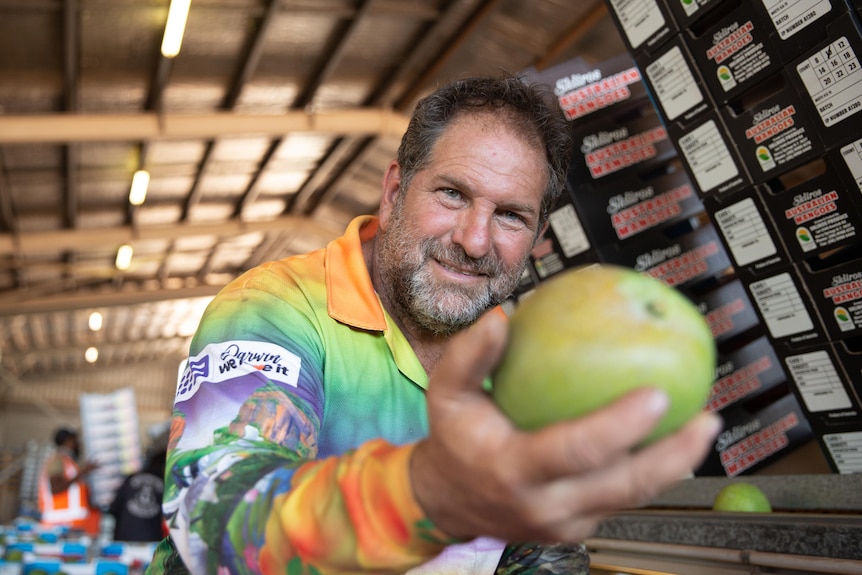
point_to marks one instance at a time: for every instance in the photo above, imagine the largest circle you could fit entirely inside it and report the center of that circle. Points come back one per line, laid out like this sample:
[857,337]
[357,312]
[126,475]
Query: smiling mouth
[460,270]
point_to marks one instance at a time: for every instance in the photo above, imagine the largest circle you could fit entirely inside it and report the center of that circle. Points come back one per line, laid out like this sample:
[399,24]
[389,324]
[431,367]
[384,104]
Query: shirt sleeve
[245,492]
[55,468]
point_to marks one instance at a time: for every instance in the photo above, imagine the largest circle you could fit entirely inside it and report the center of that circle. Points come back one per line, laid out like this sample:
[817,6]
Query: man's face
[456,243]
[74,446]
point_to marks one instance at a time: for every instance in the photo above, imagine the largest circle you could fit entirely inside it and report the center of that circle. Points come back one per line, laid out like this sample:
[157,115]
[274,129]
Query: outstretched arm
[247,489]
[476,474]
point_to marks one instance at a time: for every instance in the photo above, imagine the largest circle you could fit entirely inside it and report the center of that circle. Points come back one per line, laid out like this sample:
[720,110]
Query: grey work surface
[815,515]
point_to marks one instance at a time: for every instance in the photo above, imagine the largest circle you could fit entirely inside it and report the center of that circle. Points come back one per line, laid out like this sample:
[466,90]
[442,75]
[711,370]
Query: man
[137,504]
[64,498]
[303,439]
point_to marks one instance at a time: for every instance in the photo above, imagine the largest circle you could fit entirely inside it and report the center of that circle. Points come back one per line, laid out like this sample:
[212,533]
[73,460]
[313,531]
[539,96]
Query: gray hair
[529,109]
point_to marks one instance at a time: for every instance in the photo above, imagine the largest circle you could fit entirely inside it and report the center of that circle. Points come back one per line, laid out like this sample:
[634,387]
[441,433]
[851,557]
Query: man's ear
[391,189]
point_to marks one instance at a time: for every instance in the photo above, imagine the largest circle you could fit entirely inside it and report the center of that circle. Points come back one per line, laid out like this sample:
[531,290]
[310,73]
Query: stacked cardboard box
[583,92]
[111,437]
[633,203]
[763,101]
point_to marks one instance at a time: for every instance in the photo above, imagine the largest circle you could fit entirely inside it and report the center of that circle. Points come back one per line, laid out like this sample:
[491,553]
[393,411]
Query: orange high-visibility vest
[70,507]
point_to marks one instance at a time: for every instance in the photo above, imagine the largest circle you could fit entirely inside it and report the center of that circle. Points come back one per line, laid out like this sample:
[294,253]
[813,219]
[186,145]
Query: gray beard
[441,309]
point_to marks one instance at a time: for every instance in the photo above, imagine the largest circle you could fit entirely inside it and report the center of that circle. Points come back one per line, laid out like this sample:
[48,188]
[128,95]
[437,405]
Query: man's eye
[513,216]
[449,192]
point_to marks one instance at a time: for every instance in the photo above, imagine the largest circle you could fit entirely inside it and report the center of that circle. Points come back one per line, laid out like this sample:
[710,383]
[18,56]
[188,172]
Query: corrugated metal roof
[219,200]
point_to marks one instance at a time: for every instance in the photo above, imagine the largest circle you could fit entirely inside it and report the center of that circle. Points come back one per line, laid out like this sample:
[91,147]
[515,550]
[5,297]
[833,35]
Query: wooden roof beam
[59,128]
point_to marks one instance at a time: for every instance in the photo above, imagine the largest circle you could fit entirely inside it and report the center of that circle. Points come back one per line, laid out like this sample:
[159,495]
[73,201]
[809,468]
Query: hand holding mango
[589,335]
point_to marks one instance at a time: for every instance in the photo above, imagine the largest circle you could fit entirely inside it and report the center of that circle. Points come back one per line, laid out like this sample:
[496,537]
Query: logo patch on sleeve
[220,362]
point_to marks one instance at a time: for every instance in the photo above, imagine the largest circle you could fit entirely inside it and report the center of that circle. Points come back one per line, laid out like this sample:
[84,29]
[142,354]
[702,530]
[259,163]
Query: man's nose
[473,233]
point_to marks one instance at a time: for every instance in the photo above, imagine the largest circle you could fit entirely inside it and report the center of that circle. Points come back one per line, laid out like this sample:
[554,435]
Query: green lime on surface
[741,496]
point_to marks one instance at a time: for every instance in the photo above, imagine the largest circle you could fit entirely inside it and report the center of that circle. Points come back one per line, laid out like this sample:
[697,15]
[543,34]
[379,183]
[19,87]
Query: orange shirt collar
[350,295]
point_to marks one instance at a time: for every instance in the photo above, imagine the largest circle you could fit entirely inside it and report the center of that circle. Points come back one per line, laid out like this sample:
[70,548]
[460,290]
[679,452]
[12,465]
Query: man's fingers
[631,480]
[635,480]
[572,448]
[471,355]
[684,450]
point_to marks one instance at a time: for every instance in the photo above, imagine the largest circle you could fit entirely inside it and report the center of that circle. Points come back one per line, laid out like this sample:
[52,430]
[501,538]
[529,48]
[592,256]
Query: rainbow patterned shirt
[293,424]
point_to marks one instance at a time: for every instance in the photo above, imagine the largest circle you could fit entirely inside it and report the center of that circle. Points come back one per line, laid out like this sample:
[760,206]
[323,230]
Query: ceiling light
[138,193]
[124,257]
[175,27]
[91,355]
[95,321]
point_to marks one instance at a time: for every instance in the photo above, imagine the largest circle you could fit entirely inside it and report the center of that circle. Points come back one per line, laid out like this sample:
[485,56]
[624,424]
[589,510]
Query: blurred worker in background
[64,498]
[137,505]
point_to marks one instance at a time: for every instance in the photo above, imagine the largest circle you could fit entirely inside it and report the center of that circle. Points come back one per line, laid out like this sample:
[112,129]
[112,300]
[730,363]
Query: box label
[745,374]
[817,218]
[648,213]
[818,382]
[782,307]
[745,232]
[675,267]
[582,88]
[752,437]
[844,296]
[622,141]
[740,384]
[778,138]
[639,19]
[681,261]
[545,260]
[792,17]
[564,245]
[674,84]
[577,99]
[759,443]
[622,150]
[845,450]
[738,56]
[728,312]
[833,79]
[708,157]
[634,205]
[570,233]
